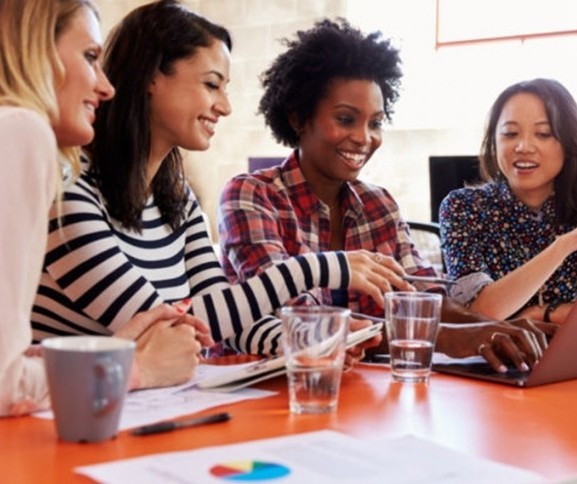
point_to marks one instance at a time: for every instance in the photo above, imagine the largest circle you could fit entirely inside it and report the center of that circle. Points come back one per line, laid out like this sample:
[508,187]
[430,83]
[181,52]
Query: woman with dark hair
[139,59]
[511,241]
[51,84]
[131,233]
[330,56]
[327,97]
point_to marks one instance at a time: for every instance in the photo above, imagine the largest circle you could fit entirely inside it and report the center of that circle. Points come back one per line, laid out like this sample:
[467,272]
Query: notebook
[270,367]
[559,362]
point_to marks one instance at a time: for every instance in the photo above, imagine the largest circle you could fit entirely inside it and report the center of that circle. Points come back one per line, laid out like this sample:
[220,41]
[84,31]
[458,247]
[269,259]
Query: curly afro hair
[299,78]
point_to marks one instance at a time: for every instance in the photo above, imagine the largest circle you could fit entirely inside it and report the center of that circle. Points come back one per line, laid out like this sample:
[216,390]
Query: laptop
[559,362]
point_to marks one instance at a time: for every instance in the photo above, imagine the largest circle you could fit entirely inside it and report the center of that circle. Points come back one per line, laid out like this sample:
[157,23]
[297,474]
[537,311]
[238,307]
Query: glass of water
[412,327]
[314,340]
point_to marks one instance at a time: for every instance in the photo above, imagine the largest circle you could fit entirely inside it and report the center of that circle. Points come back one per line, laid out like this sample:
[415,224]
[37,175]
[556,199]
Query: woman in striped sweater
[129,234]
[51,83]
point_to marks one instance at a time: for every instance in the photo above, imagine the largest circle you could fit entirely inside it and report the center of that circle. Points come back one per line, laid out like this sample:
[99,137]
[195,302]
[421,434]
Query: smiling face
[85,85]
[528,154]
[187,103]
[343,134]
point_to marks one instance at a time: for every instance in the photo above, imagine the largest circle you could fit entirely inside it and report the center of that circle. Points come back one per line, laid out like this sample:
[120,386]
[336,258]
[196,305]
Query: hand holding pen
[394,276]
[430,280]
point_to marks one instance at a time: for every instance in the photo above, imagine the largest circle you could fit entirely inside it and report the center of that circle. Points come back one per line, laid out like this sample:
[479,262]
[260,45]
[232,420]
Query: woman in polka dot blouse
[510,242]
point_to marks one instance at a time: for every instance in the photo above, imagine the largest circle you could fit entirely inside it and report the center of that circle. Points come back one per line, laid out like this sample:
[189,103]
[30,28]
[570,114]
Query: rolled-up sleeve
[468,287]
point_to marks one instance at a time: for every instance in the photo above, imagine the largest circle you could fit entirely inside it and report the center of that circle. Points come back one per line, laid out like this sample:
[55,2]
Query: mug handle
[109,385]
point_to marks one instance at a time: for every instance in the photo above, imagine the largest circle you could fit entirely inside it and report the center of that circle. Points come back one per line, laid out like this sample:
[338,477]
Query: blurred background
[457,56]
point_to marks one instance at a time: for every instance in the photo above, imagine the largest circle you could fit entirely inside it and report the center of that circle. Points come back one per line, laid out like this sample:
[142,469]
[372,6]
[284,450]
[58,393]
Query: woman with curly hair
[327,97]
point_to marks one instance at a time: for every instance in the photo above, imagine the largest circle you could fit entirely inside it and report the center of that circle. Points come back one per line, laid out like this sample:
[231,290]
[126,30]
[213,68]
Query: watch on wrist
[548,310]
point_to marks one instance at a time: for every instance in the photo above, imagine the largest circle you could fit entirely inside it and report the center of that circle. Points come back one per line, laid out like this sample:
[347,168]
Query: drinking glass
[412,327]
[314,340]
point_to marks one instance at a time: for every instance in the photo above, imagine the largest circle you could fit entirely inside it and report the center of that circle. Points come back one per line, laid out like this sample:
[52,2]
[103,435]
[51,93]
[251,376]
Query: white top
[28,155]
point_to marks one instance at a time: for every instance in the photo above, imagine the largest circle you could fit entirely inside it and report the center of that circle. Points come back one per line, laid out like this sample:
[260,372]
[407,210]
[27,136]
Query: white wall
[446,93]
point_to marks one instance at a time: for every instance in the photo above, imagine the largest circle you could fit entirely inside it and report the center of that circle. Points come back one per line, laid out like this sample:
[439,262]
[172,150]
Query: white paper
[440,358]
[149,406]
[316,457]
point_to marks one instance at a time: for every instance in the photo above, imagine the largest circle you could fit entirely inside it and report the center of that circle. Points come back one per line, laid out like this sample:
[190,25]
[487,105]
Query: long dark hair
[149,39]
[562,114]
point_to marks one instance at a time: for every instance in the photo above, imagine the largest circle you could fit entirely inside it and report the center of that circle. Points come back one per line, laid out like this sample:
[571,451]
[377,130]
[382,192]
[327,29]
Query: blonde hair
[30,68]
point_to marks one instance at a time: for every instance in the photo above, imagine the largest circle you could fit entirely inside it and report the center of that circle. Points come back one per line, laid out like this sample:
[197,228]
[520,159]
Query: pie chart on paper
[249,471]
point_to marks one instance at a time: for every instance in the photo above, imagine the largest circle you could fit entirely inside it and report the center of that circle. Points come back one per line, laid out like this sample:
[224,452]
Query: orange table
[534,428]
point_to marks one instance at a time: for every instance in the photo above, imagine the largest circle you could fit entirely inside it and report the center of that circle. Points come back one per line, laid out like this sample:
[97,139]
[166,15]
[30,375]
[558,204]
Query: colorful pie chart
[249,470]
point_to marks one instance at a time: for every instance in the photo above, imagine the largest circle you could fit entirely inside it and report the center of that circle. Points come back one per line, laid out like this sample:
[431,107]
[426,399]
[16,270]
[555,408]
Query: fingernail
[524,367]
[502,369]
[182,306]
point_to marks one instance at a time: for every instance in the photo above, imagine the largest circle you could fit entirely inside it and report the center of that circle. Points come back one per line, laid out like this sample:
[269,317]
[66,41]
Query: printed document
[322,457]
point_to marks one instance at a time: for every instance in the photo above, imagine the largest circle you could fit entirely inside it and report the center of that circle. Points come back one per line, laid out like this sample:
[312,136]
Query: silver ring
[493,336]
[481,347]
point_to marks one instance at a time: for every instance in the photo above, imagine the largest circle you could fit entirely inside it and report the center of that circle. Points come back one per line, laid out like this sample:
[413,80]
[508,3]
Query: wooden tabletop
[532,428]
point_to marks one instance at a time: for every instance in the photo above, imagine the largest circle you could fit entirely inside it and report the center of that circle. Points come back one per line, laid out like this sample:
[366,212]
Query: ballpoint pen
[374,319]
[169,425]
[434,280]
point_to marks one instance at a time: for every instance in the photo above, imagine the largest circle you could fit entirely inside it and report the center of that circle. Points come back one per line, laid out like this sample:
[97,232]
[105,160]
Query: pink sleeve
[28,162]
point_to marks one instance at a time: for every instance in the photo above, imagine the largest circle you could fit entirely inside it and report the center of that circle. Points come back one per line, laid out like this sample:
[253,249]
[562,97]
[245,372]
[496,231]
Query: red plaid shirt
[273,214]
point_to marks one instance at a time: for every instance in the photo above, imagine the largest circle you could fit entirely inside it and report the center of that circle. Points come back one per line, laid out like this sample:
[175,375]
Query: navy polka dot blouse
[487,232]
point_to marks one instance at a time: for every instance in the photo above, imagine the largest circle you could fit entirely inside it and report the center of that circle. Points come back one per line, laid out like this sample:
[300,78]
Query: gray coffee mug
[87,379]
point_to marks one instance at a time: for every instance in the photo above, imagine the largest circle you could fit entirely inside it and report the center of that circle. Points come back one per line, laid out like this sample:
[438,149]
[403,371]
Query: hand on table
[168,343]
[521,341]
[28,405]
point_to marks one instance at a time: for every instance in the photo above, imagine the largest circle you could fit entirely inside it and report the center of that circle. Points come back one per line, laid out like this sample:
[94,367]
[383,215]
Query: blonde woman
[51,84]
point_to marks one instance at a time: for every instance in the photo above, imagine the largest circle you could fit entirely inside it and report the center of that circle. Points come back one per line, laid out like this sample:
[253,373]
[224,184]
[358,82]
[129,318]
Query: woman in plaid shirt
[327,97]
